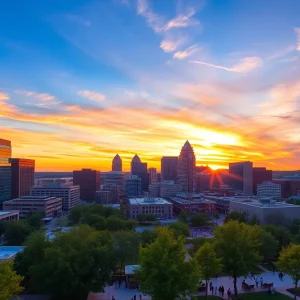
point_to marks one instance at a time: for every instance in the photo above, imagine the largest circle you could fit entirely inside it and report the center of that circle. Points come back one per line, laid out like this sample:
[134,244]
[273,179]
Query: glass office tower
[5,170]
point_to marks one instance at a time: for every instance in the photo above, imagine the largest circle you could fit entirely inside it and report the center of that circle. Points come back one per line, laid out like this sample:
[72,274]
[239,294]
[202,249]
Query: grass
[208,297]
[294,291]
[263,296]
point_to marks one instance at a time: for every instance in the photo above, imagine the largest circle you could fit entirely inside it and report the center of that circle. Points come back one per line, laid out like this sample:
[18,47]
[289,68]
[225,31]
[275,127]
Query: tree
[289,263]
[34,220]
[236,216]
[268,248]
[179,229]
[163,271]
[238,246]
[200,220]
[146,217]
[10,281]
[183,217]
[131,224]
[254,220]
[199,242]
[62,222]
[209,264]
[148,237]
[281,234]
[77,213]
[294,226]
[17,232]
[95,221]
[2,227]
[115,224]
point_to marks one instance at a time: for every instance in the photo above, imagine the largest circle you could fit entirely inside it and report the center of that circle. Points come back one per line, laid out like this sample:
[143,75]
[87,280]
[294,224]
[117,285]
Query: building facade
[164,189]
[259,176]
[186,168]
[109,194]
[133,186]
[169,168]
[269,189]
[5,170]
[139,169]
[117,178]
[157,206]
[48,206]
[241,177]
[70,194]
[152,175]
[289,187]
[22,176]
[89,182]
[117,164]
[9,216]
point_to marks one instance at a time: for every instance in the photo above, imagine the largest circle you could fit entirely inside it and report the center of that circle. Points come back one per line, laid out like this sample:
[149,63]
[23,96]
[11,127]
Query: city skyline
[84,80]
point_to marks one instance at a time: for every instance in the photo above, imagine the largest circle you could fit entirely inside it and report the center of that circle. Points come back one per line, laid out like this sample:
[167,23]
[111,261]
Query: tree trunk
[206,289]
[235,287]
[296,285]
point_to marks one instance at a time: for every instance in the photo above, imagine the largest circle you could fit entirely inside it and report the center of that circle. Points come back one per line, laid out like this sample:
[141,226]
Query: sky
[82,80]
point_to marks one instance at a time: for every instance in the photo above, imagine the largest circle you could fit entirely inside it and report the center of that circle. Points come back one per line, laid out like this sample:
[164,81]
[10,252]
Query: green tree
[114,223]
[294,226]
[2,227]
[180,228]
[183,217]
[163,271]
[281,234]
[209,264]
[62,222]
[199,242]
[95,221]
[146,217]
[148,237]
[10,281]
[17,232]
[289,263]
[199,220]
[238,246]
[131,224]
[254,220]
[34,220]
[75,263]
[235,216]
[268,248]
[77,213]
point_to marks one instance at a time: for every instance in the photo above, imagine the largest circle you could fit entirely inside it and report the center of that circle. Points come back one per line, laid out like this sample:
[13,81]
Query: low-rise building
[48,206]
[269,189]
[70,194]
[157,206]
[265,210]
[109,194]
[164,189]
[9,216]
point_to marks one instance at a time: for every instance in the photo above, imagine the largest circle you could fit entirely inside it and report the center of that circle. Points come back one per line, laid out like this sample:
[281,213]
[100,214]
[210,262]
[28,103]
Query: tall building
[89,182]
[22,176]
[117,163]
[5,170]
[186,168]
[152,175]
[70,194]
[133,186]
[259,176]
[241,177]
[169,168]
[139,169]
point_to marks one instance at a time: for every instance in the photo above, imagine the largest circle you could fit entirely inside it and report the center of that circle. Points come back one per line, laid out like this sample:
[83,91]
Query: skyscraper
[5,170]
[117,163]
[152,175]
[89,182]
[186,168]
[22,176]
[169,168]
[133,186]
[241,177]
[140,169]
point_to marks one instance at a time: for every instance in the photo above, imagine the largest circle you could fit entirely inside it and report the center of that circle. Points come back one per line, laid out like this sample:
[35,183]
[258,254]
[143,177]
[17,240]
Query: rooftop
[191,201]
[2,213]
[44,198]
[267,203]
[7,252]
[148,200]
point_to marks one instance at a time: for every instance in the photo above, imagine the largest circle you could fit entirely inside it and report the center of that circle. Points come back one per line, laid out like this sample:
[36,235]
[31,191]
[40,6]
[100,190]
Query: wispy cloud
[183,20]
[3,97]
[187,52]
[170,45]
[46,99]
[297,30]
[245,65]
[282,52]
[91,95]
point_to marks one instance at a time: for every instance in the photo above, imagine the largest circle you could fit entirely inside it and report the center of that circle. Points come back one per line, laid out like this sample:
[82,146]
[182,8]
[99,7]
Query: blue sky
[125,76]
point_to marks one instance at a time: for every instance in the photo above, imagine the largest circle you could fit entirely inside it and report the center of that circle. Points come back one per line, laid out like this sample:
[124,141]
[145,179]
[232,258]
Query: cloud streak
[297,31]
[187,52]
[91,95]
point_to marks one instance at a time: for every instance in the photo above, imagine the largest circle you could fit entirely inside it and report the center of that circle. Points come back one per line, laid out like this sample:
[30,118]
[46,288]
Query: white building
[157,206]
[70,194]
[269,189]
[164,189]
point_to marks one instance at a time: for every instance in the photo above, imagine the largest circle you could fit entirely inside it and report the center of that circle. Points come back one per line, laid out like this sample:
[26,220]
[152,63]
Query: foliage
[34,220]
[10,281]
[163,271]
[126,247]
[296,239]
[17,232]
[183,217]
[280,233]
[217,215]
[294,226]
[199,220]
[238,246]
[268,248]
[95,221]
[70,265]
[235,216]
[209,264]
[62,222]
[146,217]
[254,220]
[199,242]
[180,228]
[131,224]
[148,237]
[289,262]
[2,227]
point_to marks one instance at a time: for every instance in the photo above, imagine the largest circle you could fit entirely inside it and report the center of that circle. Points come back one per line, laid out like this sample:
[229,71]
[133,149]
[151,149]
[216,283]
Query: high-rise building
[241,177]
[186,168]
[139,169]
[133,186]
[5,170]
[22,176]
[169,168]
[117,163]
[152,175]
[70,194]
[259,176]
[89,182]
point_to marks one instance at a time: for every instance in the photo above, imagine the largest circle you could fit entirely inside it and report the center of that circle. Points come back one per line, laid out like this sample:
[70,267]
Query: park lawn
[263,296]
[294,291]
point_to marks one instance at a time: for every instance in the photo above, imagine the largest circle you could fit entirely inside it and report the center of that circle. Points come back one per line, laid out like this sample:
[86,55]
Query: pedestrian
[223,291]
[256,282]
[261,282]
[212,289]
[220,290]
[229,293]
[140,297]
[134,298]
[210,285]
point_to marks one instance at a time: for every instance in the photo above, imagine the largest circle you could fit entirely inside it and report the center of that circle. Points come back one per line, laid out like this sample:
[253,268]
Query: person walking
[229,294]
[223,291]
[220,290]
[212,289]
[261,282]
